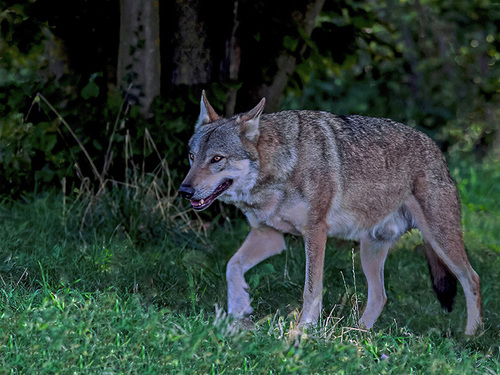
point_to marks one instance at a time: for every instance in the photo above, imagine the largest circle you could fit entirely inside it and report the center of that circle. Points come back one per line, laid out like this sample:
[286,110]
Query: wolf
[316,174]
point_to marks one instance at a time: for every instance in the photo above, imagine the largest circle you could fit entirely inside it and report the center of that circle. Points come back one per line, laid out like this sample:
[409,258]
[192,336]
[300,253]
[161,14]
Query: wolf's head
[223,156]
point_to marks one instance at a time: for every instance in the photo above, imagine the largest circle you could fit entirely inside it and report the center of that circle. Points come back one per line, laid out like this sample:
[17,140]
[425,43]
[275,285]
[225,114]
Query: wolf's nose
[186,191]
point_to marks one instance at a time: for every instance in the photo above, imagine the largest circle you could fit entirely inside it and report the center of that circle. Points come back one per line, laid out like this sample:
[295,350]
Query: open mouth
[201,204]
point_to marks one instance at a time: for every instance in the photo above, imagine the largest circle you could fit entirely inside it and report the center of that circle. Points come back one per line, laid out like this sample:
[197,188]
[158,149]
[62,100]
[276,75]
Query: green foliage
[35,149]
[91,89]
[433,65]
[479,190]
[22,69]
[430,64]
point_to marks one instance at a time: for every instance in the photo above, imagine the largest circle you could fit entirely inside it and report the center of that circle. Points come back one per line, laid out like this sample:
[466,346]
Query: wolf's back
[358,148]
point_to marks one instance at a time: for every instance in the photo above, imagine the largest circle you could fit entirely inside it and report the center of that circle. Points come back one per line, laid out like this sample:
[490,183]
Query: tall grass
[137,206]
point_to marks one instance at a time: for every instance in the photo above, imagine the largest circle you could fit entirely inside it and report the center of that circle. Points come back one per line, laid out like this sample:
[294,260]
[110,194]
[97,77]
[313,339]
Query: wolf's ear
[250,121]
[207,113]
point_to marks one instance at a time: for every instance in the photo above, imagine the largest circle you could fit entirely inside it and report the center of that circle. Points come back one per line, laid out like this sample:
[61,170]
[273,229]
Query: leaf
[290,43]
[48,142]
[45,174]
[266,269]
[91,90]
[253,280]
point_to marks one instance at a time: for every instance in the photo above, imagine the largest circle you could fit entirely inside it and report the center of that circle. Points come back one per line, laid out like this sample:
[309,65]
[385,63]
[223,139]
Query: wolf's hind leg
[438,218]
[261,243]
[373,255]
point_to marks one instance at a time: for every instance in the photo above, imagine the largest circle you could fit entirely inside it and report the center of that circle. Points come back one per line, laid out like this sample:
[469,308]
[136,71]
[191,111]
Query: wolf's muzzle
[186,191]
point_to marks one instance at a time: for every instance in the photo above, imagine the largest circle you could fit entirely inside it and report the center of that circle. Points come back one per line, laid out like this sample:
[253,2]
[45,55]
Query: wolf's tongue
[200,203]
[205,202]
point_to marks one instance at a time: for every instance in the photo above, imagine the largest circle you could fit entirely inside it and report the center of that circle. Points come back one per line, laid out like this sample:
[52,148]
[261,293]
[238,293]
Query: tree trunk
[287,61]
[138,68]
[233,56]
[192,57]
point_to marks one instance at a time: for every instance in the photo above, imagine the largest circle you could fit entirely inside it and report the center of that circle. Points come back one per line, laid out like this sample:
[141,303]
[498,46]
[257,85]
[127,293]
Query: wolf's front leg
[260,244]
[315,242]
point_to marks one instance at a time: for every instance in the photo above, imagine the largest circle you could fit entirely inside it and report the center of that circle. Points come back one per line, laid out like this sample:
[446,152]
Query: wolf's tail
[443,281]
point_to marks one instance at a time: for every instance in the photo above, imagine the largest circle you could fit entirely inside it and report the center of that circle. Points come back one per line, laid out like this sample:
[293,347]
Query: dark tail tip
[444,282]
[446,290]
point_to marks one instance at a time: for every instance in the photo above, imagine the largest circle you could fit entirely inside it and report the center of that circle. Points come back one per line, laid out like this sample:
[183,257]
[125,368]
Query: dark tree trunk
[266,62]
[192,56]
[287,60]
[138,68]
[233,58]
[220,44]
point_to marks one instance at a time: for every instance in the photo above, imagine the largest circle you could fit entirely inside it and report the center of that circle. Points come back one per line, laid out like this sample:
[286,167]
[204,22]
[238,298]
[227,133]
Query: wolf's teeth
[202,201]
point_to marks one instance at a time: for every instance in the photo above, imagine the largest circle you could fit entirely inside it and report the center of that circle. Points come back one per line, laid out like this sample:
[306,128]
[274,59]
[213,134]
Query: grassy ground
[105,301]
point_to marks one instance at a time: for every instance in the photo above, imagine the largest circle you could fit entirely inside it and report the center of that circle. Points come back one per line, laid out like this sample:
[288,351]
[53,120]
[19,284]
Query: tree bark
[138,68]
[233,55]
[192,57]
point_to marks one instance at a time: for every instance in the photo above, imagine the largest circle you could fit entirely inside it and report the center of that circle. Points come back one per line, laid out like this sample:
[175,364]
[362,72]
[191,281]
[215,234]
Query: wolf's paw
[237,324]
[474,330]
[245,323]
[240,307]
[366,323]
[301,331]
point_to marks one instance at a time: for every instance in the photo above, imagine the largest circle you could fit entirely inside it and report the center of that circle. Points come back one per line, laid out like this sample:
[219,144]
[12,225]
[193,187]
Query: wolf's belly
[343,224]
[291,216]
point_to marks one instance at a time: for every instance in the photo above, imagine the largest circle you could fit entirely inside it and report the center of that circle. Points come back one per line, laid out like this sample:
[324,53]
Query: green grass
[105,301]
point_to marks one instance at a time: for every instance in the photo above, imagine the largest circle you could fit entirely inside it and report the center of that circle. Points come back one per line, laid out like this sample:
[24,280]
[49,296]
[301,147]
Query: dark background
[433,65]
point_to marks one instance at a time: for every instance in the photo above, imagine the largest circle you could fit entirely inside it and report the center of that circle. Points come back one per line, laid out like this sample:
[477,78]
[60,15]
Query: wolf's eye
[191,156]
[216,159]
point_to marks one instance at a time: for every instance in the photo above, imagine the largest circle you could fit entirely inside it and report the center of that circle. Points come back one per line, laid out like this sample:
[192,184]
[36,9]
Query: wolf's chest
[272,209]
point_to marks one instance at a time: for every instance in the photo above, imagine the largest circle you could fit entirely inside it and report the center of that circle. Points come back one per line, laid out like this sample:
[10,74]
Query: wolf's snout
[186,191]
